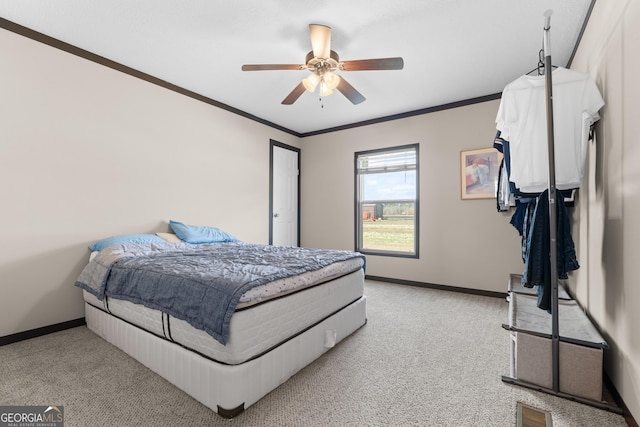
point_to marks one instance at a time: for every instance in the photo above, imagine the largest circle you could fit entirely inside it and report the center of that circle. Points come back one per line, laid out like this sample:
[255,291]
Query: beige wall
[87,152]
[463,243]
[608,227]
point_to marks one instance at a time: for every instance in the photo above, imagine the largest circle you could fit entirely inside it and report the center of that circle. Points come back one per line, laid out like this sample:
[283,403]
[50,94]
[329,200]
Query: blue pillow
[200,234]
[125,239]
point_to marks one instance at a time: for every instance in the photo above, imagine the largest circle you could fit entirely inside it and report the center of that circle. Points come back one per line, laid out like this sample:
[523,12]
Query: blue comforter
[200,284]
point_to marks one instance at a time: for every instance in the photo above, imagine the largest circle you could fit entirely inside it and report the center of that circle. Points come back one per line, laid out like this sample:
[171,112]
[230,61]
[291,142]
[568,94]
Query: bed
[253,315]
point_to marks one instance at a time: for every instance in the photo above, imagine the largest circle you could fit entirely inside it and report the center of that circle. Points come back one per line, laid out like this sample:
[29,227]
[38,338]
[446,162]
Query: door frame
[272,144]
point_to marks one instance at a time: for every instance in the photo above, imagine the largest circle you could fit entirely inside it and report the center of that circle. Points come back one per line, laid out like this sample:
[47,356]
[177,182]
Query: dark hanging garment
[536,247]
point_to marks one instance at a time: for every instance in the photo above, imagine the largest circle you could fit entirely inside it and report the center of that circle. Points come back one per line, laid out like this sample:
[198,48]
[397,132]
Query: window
[387,201]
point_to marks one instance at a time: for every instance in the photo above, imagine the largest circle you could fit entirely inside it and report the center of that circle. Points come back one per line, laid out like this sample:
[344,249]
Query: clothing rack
[553,227]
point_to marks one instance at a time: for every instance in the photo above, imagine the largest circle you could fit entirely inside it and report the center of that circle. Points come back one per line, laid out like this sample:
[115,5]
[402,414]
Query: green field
[389,235]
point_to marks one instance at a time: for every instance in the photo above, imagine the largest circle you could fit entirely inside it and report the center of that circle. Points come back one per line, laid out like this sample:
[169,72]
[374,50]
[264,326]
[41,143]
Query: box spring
[227,389]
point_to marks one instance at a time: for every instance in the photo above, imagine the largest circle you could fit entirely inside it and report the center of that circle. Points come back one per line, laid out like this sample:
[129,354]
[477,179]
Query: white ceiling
[453,50]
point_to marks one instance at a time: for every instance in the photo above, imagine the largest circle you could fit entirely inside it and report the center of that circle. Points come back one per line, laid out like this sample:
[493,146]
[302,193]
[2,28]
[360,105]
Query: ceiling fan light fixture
[331,80]
[311,82]
[325,90]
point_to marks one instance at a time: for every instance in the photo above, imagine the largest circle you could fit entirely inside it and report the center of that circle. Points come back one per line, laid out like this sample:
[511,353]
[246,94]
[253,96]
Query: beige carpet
[425,358]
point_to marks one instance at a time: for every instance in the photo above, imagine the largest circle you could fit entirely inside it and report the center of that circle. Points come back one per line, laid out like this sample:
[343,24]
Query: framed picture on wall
[479,173]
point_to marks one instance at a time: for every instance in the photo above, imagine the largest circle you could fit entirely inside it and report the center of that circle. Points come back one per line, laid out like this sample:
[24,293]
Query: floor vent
[528,416]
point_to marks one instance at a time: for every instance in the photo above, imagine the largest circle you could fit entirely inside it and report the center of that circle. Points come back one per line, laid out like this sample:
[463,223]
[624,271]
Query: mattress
[254,330]
[204,284]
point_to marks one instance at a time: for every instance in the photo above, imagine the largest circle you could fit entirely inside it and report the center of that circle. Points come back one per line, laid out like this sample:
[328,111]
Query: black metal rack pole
[553,212]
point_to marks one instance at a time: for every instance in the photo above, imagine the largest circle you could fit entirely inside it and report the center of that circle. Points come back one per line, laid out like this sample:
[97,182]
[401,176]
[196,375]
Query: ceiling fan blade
[350,92]
[294,95]
[396,63]
[320,40]
[262,67]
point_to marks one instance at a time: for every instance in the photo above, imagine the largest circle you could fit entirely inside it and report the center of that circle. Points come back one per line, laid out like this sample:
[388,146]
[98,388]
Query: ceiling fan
[322,62]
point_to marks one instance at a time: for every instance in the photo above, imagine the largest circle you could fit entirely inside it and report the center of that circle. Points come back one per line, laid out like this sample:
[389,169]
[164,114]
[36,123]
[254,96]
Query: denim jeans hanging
[536,247]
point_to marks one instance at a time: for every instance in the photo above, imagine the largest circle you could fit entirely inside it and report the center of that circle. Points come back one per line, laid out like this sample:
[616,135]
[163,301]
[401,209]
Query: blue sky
[390,186]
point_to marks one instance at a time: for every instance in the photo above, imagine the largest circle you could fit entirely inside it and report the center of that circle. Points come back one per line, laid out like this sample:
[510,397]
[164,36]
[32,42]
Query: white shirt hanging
[522,120]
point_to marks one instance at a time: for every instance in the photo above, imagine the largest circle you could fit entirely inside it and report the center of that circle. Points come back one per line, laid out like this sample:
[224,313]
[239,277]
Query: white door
[284,195]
